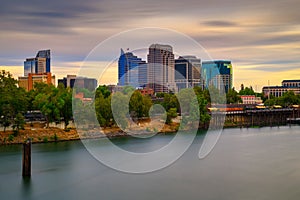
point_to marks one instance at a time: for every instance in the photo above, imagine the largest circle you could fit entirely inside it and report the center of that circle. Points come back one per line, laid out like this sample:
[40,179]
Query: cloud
[242,31]
[219,23]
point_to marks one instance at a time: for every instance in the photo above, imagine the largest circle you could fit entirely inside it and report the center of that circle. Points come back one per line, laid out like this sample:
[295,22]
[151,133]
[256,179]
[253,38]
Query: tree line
[55,103]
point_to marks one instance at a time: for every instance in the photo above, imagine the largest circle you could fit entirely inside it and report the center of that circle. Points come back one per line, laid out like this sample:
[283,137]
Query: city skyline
[263,45]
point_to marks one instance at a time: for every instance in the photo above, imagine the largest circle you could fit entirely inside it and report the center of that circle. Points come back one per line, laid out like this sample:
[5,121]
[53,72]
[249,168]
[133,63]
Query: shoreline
[50,135]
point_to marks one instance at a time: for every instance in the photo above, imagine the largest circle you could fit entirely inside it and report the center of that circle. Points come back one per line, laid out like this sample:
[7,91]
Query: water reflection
[26,187]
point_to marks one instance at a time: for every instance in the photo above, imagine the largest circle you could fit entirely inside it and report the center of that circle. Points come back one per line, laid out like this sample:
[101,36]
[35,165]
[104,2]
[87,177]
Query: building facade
[39,64]
[291,83]
[217,73]
[84,82]
[68,81]
[278,91]
[128,69]
[187,72]
[161,68]
[28,82]
[251,99]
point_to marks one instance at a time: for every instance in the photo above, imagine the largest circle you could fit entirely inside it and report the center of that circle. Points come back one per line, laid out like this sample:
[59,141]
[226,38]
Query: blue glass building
[39,64]
[128,69]
[29,66]
[45,54]
[217,73]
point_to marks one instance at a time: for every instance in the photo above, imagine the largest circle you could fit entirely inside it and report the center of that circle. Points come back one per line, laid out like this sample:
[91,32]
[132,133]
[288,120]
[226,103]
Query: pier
[26,167]
[260,117]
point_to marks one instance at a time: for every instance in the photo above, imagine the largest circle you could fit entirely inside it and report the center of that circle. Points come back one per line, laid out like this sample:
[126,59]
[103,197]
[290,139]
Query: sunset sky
[261,38]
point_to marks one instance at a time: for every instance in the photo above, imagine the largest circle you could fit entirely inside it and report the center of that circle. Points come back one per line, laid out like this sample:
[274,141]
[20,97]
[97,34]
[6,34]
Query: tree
[102,89]
[13,101]
[215,95]
[136,105]
[120,109]
[19,122]
[49,103]
[172,113]
[247,91]
[232,96]
[65,96]
[103,110]
[287,99]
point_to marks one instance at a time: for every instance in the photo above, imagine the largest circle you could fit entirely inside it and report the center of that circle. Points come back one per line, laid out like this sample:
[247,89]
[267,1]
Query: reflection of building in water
[187,72]
[217,73]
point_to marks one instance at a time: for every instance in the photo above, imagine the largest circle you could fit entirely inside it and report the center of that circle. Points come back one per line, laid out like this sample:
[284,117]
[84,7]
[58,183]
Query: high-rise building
[37,70]
[39,64]
[43,60]
[128,66]
[68,81]
[87,83]
[217,73]
[79,82]
[161,68]
[29,66]
[187,72]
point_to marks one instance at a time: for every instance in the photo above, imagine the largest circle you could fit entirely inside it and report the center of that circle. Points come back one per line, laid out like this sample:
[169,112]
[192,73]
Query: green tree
[13,101]
[172,113]
[232,96]
[215,95]
[120,109]
[65,96]
[102,89]
[19,122]
[287,99]
[49,103]
[247,91]
[136,109]
[103,110]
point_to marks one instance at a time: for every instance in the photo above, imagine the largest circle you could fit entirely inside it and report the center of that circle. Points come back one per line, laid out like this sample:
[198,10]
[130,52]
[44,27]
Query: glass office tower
[217,73]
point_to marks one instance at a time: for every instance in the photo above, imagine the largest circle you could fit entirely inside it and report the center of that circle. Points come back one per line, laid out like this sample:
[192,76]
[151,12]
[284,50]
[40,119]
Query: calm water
[246,164]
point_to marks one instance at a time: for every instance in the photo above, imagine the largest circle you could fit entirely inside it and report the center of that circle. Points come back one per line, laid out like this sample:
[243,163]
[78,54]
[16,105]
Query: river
[254,163]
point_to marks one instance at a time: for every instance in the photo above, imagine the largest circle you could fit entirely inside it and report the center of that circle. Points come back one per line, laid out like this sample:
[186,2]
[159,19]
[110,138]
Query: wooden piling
[26,170]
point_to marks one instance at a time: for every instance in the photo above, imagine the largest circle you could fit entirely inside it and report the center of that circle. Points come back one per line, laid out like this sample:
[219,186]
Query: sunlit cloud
[259,42]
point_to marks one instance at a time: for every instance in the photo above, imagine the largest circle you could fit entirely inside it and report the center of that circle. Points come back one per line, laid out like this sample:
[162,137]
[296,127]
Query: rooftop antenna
[269,89]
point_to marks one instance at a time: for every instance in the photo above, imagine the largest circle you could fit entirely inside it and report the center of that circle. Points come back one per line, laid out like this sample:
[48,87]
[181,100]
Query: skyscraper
[161,64]
[39,64]
[187,72]
[43,61]
[217,73]
[37,70]
[128,66]
[29,66]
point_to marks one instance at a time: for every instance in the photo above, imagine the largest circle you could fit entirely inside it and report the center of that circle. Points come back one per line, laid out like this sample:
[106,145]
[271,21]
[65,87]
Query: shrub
[54,137]
[11,138]
[45,139]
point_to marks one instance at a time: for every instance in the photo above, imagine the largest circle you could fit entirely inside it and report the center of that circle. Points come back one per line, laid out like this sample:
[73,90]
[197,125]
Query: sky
[261,38]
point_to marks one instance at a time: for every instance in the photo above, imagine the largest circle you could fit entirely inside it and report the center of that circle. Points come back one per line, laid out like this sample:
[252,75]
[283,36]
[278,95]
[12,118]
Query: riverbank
[38,134]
